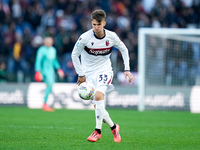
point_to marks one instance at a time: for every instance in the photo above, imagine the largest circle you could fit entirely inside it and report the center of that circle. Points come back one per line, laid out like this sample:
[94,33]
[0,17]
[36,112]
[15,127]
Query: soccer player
[45,65]
[95,48]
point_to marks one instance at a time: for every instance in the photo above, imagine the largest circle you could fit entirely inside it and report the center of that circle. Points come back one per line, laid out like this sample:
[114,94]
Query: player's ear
[104,23]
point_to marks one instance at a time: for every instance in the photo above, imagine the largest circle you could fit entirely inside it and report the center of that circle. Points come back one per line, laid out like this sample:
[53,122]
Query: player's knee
[99,96]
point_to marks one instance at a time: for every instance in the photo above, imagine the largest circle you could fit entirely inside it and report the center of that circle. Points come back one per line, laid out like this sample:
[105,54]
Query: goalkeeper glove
[38,76]
[61,73]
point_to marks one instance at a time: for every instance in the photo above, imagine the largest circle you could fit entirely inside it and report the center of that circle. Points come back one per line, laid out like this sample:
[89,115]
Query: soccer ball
[86,90]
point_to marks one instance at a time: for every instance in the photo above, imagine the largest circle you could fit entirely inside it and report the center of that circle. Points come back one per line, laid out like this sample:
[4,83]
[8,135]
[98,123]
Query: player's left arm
[57,66]
[125,56]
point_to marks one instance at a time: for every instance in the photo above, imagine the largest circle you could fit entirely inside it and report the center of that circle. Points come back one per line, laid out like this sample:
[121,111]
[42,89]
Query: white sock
[99,112]
[107,119]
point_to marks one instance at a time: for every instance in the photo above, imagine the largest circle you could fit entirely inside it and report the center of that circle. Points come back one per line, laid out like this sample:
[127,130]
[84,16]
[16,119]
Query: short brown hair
[98,15]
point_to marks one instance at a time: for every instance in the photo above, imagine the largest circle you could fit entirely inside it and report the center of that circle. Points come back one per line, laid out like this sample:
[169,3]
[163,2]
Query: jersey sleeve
[124,51]
[38,60]
[78,48]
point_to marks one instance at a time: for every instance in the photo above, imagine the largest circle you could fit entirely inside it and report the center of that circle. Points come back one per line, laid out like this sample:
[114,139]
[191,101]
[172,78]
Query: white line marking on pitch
[37,127]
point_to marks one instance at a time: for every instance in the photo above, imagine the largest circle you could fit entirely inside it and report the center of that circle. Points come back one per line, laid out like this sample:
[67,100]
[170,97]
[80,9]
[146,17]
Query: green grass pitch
[33,129]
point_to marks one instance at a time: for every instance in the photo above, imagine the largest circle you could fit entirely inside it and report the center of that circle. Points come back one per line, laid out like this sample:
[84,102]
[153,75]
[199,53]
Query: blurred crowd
[172,60]
[24,23]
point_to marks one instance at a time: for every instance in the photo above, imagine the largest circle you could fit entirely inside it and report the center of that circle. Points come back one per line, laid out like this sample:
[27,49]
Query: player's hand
[38,76]
[61,73]
[129,75]
[81,80]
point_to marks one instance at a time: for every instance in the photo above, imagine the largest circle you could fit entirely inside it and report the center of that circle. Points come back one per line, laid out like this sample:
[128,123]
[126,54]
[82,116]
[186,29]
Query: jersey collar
[102,37]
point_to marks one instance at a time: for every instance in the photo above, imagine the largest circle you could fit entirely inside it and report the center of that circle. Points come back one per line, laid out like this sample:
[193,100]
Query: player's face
[48,42]
[98,27]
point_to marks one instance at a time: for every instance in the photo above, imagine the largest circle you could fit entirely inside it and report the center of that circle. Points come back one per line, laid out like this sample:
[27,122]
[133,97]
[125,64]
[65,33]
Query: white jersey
[95,53]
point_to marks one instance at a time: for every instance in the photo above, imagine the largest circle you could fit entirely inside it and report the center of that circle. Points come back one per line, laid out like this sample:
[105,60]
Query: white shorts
[102,81]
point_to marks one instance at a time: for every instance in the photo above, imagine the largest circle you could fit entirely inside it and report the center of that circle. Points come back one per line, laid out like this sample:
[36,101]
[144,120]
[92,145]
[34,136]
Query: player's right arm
[78,48]
[38,60]
[38,65]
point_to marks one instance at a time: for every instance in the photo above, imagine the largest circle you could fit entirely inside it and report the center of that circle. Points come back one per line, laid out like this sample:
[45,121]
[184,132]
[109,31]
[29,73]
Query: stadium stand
[23,24]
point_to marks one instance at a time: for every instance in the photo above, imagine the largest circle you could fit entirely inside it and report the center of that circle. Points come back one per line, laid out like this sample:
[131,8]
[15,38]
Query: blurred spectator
[189,54]
[16,10]
[2,13]
[177,67]
[2,72]
[48,19]
[155,64]
[148,5]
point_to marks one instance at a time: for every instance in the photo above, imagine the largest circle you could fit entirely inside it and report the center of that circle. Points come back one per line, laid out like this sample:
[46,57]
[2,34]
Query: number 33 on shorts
[104,79]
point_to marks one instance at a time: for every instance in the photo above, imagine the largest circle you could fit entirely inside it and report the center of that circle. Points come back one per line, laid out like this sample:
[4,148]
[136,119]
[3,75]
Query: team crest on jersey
[92,43]
[107,43]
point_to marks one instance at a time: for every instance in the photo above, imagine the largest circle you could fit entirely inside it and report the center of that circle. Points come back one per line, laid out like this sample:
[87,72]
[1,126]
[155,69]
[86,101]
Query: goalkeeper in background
[45,66]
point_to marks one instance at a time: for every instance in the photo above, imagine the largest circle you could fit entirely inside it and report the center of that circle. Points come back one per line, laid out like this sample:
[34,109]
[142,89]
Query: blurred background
[24,23]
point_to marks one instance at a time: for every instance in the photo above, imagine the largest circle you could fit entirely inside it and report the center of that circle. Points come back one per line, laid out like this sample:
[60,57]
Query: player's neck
[100,34]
